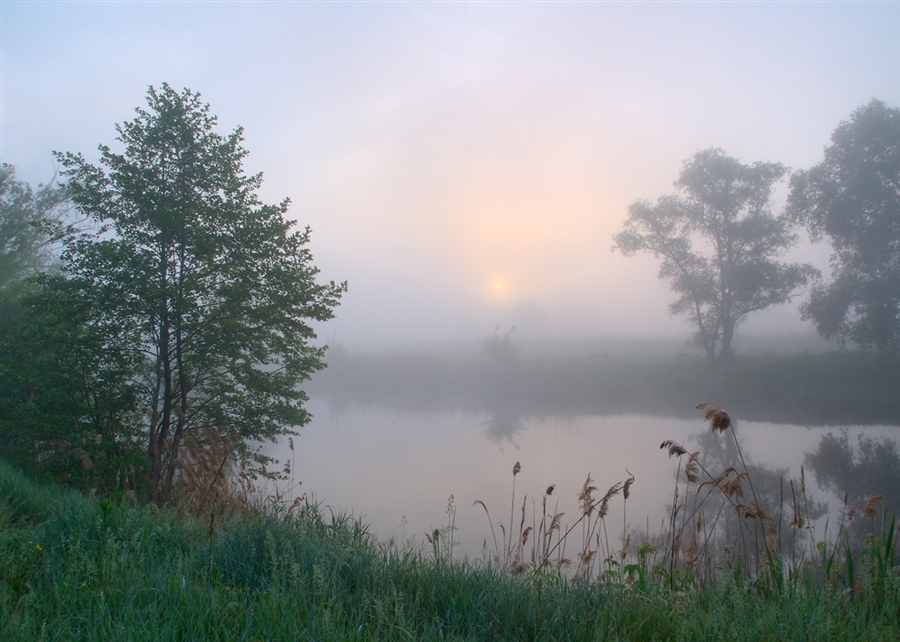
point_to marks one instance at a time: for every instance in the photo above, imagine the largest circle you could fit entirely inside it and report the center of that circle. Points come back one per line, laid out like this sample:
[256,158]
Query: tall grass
[247,566]
[719,534]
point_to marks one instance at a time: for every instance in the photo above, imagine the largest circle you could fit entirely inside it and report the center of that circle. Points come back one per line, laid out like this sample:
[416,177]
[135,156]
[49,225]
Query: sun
[497,287]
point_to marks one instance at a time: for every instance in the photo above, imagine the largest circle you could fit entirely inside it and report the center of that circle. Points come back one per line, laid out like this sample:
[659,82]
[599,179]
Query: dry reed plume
[717,524]
[546,537]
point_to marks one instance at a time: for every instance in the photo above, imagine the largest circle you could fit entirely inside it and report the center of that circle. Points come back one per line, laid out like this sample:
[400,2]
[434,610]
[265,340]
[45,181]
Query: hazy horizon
[464,165]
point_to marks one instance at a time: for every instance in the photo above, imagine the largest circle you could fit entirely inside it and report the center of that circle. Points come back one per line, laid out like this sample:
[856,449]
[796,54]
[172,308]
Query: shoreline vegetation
[251,567]
[809,388]
[738,557]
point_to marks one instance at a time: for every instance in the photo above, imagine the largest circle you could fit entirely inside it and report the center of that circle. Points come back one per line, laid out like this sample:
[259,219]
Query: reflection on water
[871,466]
[503,422]
[397,469]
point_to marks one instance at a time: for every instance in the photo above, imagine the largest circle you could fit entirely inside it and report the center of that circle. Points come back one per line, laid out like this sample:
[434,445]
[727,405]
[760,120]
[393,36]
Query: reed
[77,567]
[719,529]
[540,534]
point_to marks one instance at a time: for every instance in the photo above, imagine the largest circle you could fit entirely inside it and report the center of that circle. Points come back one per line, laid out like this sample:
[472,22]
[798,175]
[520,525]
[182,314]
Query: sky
[463,164]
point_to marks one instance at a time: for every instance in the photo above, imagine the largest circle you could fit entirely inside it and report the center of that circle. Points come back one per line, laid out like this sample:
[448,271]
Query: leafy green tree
[853,198]
[202,293]
[44,416]
[719,241]
[66,402]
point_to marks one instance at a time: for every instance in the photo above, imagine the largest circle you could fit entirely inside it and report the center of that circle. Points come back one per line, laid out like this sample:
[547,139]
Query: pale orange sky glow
[439,149]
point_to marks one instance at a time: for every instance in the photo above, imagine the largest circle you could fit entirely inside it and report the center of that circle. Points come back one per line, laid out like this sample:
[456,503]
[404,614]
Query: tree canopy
[196,294]
[853,198]
[29,220]
[719,242]
[45,410]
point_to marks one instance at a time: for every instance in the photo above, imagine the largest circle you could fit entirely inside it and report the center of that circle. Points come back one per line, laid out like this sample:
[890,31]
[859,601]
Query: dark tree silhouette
[872,467]
[853,198]
[718,241]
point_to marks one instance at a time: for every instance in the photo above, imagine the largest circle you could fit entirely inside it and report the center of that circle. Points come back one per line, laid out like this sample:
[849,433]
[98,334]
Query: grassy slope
[74,568]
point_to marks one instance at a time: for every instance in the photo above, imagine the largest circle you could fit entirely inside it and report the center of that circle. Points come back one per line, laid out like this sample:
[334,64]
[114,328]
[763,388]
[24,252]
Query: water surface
[398,470]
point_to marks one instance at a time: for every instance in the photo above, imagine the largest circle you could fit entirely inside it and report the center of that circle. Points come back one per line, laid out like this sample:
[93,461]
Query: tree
[853,198]
[29,221]
[200,291]
[871,468]
[66,402]
[719,241]
[44,411]
[859,475]
[501,348]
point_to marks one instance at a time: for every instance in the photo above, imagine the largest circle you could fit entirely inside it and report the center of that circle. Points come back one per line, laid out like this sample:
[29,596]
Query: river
[399,470]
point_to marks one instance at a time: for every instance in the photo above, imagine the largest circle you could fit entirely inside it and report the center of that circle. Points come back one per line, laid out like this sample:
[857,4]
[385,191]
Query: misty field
[803,388]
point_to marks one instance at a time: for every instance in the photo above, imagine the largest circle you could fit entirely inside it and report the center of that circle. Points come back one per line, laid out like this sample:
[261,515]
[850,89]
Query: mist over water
[464,167]
[398,469]
[396,435]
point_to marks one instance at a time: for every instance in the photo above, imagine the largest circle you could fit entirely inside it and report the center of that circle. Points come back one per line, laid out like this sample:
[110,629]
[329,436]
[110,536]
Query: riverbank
[79,568]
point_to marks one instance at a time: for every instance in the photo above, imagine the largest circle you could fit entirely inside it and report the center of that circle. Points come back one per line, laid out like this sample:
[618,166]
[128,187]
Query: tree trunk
[159,442]
[725,353]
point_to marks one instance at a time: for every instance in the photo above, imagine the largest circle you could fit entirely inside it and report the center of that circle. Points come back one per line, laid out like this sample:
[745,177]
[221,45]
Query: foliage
[871,468]
[723,206]
[196,293]
[61,406]
[501,348]
[853,198]
[67,405]
[29,221]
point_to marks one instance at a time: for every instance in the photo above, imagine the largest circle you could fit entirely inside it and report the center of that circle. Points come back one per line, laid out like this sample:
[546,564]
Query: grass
[727,518]
[74,567]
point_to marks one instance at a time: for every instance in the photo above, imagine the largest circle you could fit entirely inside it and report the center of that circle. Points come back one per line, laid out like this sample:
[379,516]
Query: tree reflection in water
[780,497]
[503,423]
[856,474]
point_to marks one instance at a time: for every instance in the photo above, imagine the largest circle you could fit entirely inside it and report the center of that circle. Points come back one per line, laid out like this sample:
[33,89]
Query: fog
[398,469]
[464,165]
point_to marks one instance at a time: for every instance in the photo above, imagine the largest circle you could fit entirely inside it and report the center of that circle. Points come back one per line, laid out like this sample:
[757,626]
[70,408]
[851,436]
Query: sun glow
[498,288]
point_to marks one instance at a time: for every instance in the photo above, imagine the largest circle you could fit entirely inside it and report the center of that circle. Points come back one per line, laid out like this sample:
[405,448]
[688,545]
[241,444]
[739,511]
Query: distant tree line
[720,242]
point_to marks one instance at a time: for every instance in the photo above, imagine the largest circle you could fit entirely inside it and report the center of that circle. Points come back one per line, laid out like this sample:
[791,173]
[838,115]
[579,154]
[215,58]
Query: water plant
[264,565]
[720,528]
